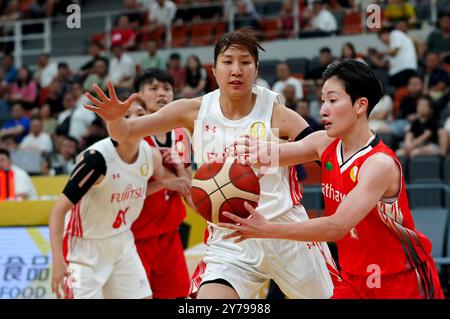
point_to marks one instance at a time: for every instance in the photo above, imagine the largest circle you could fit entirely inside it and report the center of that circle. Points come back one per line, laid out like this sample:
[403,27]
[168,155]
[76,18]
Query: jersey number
[120,218]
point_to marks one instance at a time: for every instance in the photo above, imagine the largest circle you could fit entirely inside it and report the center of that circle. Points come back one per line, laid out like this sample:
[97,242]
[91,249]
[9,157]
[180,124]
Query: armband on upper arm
[85,175]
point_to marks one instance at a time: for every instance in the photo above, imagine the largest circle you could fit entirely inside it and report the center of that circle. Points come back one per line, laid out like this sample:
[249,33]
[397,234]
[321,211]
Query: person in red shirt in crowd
[123,34]
[367,213]
[156,233]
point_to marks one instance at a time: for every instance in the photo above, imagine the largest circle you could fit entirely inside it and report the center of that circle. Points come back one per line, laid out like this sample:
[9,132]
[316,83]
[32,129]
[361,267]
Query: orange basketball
[219,187]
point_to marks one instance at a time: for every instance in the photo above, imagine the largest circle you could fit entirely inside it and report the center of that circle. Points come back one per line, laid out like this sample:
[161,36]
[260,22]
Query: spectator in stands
[438,41]
[95,51]
[135,16]
[64,118]
[381,115]
[303,109]
[52,95]
[399,10]
[401,55]
[46,166]
[18,126]
[95,132]
[407,111]
[81,118]
[23,186]
[46,70]
[122,69]
[444,137]
[196,78]
[64,76]
[9,142]
[320,22]
[123,34]
[314,76]
[286,20]
[37,139]
[161,13]
[422,137]
[48,122]
[9,68]
[284,78]
[230,8]
[243,16]
[178,73]
[99,76]
[348,52]
[12,12]
[24,89]
[289,98]
[436,82]
[63,160]
[153,59]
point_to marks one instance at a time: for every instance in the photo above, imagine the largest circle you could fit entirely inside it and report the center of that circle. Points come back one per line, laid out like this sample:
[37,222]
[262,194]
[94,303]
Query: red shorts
[165,264]
[420,283]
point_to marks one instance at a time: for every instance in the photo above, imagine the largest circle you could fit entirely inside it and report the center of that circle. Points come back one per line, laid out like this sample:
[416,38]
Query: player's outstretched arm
[259,153]
[378,174]
[179,113]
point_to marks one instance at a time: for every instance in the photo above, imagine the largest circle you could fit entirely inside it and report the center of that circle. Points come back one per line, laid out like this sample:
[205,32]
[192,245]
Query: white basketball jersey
[112,206]
[214,137]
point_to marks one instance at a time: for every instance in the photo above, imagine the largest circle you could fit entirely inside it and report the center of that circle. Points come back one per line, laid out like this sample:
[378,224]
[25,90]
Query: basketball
[219,187]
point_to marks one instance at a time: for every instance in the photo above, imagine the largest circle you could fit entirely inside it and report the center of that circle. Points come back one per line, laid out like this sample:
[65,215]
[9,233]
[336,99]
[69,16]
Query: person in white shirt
[285,78]
[37,139]
[122,68]
[162,12]
[46,70]
[401,55]
[23,186]
[322,21]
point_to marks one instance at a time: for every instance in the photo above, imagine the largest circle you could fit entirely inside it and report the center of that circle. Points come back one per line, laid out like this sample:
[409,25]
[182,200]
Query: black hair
[4,151]
[245,37]
[152,74]
[358,81]
[175,56]
[325,50]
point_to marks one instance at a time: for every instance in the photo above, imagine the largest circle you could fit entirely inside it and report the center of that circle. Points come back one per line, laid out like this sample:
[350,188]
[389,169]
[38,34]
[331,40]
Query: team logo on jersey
[328,166]
[258,129]
[144,169]
[354,173]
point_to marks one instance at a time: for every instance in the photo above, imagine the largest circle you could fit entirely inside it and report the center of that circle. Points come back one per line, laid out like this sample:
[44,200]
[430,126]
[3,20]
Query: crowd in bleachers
[43,110]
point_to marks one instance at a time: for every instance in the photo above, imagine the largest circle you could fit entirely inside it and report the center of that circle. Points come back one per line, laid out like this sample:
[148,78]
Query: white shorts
[105,268]
[299,268]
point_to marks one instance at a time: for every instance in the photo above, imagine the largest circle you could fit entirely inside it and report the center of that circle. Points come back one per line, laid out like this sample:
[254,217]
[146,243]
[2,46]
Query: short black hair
[384,29]
[152,74]
[358,80]
[63,65]
[325,50]
[4,151]
[175,56]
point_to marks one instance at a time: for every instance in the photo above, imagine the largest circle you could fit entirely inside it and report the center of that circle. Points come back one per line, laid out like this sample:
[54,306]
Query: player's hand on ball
[256,152]
[255,226]
[109,108]
[182,185]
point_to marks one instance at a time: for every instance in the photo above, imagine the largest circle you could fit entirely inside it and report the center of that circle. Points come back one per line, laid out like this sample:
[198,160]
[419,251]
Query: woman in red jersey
[367,213]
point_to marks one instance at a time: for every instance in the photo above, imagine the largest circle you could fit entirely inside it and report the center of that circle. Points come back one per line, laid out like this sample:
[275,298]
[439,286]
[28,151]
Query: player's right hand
[182,185]
[256,152]
[59,274]
[109,108]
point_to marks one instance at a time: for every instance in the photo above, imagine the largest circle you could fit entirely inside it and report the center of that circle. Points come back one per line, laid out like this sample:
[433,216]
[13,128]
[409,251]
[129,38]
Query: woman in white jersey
[215,120]
[105,193]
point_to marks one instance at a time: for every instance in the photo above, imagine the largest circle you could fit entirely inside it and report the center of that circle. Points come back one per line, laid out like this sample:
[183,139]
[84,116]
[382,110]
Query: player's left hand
[255,226]
[109,108]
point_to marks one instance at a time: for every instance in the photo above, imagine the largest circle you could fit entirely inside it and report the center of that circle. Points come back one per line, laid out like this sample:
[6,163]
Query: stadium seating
[432,222]
[425,169]
[298,65]
[446,167]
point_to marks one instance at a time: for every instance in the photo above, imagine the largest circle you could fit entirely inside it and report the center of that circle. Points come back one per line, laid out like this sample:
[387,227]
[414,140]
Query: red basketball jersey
[386,237]
[163,211]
